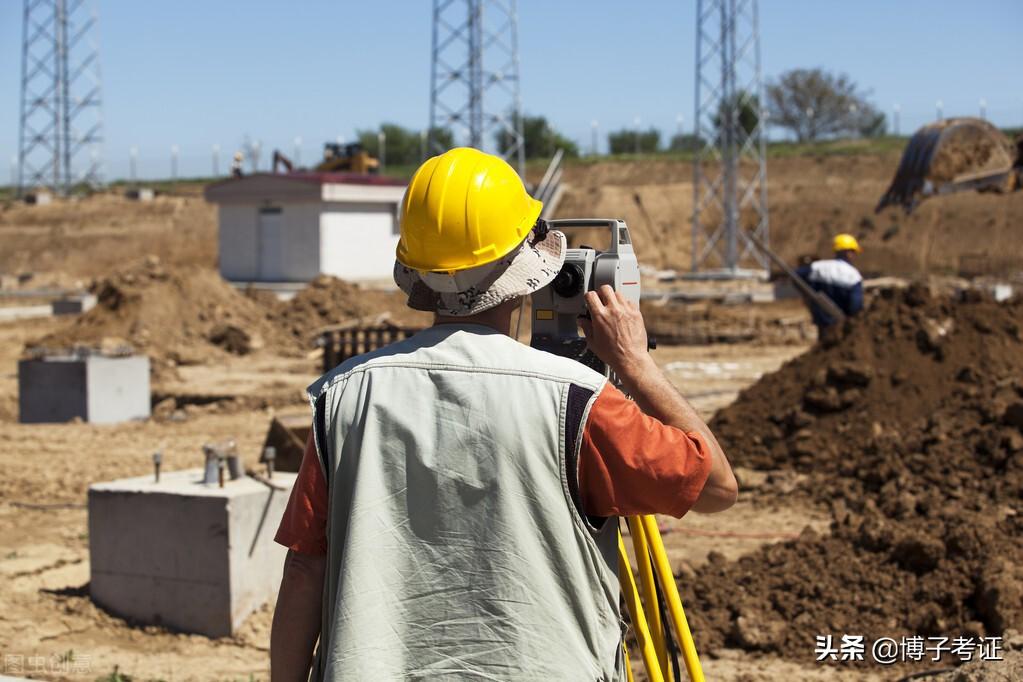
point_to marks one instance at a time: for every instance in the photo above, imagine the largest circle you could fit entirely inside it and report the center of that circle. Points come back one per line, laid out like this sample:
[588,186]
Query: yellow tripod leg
[631,595]
[671,596]
[646,583]
[628,667]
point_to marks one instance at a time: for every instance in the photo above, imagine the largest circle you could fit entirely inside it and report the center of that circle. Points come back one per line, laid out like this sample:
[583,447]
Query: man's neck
[498,318]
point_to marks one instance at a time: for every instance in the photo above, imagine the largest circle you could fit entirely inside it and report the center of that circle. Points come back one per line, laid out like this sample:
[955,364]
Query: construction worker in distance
[455,515]
[838,279]
[236,164]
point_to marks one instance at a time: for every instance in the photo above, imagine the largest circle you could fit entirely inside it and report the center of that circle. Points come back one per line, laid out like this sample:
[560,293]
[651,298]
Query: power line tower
[730,170]
[474,81]
[61,126]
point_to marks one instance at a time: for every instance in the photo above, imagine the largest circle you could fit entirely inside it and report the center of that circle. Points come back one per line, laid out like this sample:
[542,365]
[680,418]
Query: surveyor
[455,513]
[838,279]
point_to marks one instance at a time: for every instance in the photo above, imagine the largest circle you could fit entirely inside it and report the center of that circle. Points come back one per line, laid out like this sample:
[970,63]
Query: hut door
[270,245]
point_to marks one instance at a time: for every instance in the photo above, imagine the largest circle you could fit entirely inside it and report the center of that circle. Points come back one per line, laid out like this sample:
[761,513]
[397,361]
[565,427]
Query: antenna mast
[730,168]
[474,80]
[60,125]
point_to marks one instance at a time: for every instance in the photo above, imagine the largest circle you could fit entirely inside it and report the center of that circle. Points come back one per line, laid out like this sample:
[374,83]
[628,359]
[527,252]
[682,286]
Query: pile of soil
[954,576]
[329,301]
[910,429]
[183,314]
[903,357]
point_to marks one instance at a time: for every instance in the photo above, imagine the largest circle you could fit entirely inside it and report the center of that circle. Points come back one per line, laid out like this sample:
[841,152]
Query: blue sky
[194,73]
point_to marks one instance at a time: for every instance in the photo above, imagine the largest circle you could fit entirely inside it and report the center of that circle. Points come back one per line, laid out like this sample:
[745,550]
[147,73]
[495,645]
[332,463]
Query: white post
[594,126]
[298,151]
[174,162]
[14,171]
[256,145]
[133,157]
[216,160]
[382,148]
[983,108]
[680,119]
[896,110]
[422,145]
[940,106]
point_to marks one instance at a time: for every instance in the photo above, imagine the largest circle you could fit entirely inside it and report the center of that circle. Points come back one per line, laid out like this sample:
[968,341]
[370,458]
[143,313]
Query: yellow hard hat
[845,242]
[463,209]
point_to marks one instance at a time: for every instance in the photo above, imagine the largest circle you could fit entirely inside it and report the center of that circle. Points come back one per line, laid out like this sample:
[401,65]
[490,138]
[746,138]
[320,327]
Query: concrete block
[183,554]
[74,305]
[95,388]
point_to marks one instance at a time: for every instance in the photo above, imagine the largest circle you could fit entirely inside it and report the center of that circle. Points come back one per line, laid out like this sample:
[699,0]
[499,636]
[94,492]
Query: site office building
[293,227]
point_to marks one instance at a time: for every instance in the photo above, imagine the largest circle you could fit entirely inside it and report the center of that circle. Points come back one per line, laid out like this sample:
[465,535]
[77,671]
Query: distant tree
[685,142]
[628,141]
[747,104]
[872,123]
[814,104]
[404,146]
[541,139]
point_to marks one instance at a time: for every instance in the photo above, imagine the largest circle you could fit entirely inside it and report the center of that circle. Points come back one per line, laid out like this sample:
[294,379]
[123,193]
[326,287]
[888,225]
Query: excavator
[348,158]
[955,155]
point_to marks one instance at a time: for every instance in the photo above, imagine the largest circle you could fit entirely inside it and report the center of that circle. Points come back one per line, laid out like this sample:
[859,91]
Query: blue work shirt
[837,279]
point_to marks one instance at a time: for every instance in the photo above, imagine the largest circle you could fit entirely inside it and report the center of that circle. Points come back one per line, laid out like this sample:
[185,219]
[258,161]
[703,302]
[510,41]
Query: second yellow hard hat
[845,242]
[463,209]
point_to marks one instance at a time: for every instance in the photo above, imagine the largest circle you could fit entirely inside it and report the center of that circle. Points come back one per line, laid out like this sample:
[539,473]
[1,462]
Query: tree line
[811,104]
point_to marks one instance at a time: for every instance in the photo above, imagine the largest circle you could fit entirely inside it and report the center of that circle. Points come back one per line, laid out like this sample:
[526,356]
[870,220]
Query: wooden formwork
[346,341]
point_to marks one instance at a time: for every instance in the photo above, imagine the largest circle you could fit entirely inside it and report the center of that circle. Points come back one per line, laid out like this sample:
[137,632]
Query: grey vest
[456,548]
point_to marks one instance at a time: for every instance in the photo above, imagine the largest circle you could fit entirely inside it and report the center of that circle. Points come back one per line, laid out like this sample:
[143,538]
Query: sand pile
[185,314]
[329,300]
[911,431]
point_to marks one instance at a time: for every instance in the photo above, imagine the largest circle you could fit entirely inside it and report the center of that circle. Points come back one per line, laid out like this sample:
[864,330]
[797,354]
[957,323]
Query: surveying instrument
[654,606]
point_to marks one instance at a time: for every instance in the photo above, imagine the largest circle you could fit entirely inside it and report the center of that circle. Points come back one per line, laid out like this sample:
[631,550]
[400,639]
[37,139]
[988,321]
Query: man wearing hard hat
[838,279]
[455,513]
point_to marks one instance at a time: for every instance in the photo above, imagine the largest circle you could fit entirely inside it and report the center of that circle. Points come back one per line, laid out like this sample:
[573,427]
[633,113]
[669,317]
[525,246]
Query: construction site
[157,338]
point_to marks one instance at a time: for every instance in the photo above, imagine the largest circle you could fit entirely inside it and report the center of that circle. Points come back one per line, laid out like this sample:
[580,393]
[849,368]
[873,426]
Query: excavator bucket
[953,155]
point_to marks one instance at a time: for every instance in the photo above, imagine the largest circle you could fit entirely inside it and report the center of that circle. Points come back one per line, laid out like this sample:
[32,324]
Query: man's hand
[616,334]
[615,331]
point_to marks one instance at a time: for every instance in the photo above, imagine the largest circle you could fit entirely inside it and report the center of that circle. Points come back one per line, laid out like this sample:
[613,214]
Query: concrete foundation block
[186,555]
[74,305]
[95,388]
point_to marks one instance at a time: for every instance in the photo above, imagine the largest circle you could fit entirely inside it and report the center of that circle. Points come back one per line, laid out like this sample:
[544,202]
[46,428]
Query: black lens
[569,281]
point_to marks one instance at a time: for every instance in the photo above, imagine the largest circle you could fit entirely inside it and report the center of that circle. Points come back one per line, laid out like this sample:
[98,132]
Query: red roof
[321,178]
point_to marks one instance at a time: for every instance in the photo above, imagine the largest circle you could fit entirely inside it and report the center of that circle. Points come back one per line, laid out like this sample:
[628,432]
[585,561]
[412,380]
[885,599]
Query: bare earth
[50,629]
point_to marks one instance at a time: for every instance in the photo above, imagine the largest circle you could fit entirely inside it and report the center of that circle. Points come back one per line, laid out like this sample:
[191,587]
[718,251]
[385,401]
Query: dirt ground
[212,392]
[44,563]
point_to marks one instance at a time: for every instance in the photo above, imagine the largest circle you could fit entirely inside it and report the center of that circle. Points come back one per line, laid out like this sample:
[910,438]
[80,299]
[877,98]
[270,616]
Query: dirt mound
[899,361]
[329,300]
[185,314]
[955,575]
[911,431]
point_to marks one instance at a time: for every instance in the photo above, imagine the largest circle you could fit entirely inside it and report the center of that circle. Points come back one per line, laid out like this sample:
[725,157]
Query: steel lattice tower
[474,81]
[730,170]
[61,115]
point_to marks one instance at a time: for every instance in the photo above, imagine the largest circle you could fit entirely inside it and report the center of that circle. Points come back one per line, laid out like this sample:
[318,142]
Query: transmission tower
[474,81]
[730,170]
[60,137]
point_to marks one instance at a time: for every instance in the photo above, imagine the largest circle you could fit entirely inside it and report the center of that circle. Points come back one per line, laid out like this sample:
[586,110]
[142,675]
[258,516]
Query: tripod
[652,633]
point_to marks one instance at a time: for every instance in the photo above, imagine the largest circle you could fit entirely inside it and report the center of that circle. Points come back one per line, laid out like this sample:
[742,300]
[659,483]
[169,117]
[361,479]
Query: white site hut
[293,227]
